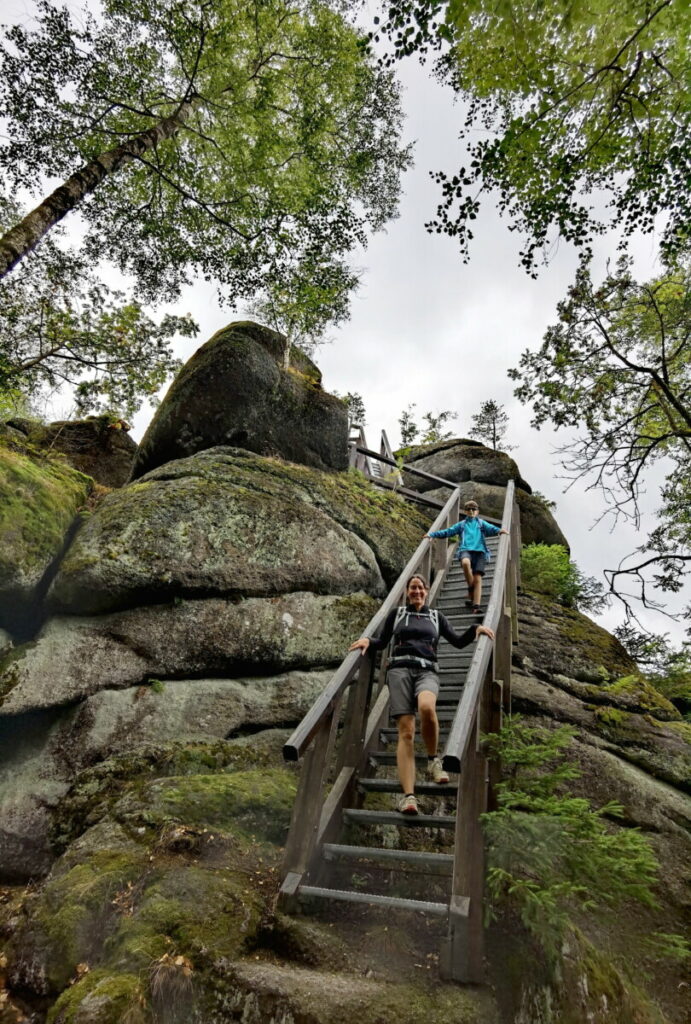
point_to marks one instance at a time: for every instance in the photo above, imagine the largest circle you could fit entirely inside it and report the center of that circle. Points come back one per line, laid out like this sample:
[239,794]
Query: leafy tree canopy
[303,300]
[223,137]
[618,364]
[568,104]
[62,327]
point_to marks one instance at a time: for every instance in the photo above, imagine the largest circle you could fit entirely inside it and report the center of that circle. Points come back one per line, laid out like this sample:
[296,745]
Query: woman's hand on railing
[484,631]
[362,645]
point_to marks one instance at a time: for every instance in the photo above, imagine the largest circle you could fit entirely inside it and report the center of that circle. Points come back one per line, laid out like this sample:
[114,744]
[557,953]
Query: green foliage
[546,502]
[562,101]
[430,433]
[303,300]
[671,946]
[547,569]
[490,425]
[62,327]
[618,365]
[355,406]
[232,139]
[550,852]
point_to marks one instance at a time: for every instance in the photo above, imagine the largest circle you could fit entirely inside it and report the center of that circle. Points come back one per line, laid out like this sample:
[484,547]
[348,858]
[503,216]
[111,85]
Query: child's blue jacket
[472,533]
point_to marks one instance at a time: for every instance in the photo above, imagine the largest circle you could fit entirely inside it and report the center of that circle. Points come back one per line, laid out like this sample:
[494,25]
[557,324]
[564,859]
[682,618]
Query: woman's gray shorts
[406,684]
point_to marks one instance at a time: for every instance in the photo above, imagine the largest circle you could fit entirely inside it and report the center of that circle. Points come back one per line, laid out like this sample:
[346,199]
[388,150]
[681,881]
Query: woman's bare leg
[429,723]
[405,752]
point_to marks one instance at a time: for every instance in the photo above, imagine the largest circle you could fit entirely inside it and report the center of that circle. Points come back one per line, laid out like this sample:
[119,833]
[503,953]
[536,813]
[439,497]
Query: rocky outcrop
[460,461]
[234,391]
[226,522]
[482,474]
[39,499]
[76,657]
[44,752]
[632,747]
[98,446]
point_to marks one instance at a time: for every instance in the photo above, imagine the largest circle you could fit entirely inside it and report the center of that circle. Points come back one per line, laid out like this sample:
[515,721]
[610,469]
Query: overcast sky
[426,328]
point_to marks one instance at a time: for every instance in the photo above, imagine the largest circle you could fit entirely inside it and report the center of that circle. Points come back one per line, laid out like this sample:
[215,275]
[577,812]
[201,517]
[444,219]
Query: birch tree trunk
[23,237]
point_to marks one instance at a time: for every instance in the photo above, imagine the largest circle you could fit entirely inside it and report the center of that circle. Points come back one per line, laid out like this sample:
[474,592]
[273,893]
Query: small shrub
[547,569]
[550,852]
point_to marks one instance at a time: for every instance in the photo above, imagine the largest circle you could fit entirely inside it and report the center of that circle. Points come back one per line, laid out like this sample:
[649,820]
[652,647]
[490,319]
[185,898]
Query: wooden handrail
[323,705]
[406,468]
[462,728]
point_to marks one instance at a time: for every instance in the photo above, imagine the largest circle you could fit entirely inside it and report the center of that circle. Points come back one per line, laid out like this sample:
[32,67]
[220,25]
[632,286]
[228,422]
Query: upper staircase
[346,842]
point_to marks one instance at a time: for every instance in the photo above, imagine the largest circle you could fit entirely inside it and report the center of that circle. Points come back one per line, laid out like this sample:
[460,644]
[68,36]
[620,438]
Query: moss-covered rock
[182,865]
[235,391]
[198,529]
[586,987]
[102,998]
[226,521]
[74,658]
[564,641]
[259,992]
[187,710]
[39,498]
[98,446]
[661,748]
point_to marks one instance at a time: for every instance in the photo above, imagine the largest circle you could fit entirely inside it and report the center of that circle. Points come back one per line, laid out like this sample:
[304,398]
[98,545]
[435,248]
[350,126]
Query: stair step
[427,863]
[388,735]
[359,817]
[389,757]
[393,902]
[393,786]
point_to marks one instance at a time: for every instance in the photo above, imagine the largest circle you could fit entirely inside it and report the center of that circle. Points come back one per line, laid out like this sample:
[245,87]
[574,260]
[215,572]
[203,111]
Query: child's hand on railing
[362,644]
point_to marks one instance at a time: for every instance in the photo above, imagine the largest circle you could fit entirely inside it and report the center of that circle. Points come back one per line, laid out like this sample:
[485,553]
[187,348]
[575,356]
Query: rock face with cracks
[235,391]
[99,446]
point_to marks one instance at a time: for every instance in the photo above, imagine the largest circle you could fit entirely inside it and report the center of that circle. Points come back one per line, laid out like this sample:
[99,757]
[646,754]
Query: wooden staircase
[352,846]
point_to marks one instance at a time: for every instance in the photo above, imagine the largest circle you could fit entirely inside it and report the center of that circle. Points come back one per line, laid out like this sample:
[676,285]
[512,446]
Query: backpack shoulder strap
[434,618]
[400,612]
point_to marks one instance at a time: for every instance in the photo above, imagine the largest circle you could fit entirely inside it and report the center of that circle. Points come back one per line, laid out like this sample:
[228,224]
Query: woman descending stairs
[354,847]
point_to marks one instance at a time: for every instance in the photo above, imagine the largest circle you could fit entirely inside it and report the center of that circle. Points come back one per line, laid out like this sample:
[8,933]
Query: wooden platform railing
[384,471]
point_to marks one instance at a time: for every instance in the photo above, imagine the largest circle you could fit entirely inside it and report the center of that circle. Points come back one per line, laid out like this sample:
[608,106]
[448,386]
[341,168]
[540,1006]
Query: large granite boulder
[99,446]
[76,657]
[39,499]
[460,460]
[235,391]
[212,524]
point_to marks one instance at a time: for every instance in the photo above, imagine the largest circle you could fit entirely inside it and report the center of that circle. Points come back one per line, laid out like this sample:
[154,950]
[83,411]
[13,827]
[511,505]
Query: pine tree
[490,425]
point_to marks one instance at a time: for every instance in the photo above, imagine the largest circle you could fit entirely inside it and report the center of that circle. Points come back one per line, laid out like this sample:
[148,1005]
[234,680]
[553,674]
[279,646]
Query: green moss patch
[39,497]
[102,998]
[251,802]
[638,694]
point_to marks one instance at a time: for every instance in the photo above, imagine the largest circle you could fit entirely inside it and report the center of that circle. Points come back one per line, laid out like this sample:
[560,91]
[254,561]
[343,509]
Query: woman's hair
[417,576]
